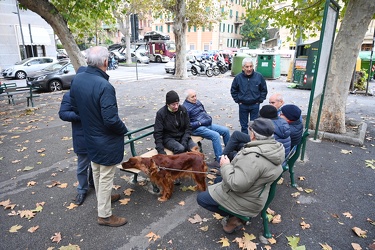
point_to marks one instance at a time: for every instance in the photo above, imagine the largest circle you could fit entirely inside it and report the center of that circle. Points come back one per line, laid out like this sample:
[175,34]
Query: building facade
[36,36]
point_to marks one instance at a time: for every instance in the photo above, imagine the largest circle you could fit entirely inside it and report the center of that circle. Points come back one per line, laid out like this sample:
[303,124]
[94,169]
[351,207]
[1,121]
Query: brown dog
[164,179]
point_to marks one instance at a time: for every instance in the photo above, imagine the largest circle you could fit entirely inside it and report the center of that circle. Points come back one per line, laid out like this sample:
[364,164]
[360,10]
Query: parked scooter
[223,68]
[215,68]
[199,67]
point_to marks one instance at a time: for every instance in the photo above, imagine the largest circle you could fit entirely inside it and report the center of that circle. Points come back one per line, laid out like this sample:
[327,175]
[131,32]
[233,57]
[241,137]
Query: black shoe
[91,185]
[80,198]
[177,182]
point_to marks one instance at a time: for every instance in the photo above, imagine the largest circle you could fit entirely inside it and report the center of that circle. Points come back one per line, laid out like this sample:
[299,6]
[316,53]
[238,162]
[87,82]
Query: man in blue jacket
[201,124]
[249,89]
[84,172]
[93,98]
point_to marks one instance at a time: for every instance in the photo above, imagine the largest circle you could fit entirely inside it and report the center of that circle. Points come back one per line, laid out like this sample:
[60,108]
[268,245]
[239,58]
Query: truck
[160,50]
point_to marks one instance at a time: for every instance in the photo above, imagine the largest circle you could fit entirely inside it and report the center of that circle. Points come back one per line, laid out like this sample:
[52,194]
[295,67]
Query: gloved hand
[162,152]
[185,145]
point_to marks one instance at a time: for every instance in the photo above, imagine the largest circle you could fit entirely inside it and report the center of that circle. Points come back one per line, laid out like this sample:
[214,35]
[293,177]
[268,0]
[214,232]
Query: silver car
[21,69]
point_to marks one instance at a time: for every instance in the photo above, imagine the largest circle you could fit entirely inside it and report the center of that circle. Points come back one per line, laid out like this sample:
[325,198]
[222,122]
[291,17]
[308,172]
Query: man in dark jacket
[94,99]
[246,180]
[84,172]
[292,114]
[172,126]
[201,124]
[249,89]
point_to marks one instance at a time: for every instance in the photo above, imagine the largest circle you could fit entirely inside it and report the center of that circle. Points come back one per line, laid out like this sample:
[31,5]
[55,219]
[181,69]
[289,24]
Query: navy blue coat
[67,114]
[296,129]
[249,89]
[282,133]
[197,114]
[93,98]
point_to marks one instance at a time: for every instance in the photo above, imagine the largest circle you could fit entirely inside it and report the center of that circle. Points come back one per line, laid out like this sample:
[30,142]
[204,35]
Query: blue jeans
[84,164]
[244,112]
[236,142]
[213,133]
[176,147]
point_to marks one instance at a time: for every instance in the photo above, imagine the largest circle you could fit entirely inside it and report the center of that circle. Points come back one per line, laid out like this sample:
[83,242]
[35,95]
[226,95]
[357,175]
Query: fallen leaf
[65,138]
[270,211]
[41,150]
[181,203]
[211,176]
[276,219]
[204,229]
[347,215]
[33,229]
[31,183]
[217,216]
[293,241]
[295,194]
[195,219]
[115,187]
[54,183]
[7,204]
[300,189]
[247,236]
[56,238]
[151,236]
[280,181]
[128,191]
[335,216]
[356,246]
[70,247]
[304,225]
[28,214]
[15,228]
[71,206]
[325,246]
[63,185]
[191,188]
[124,201]
[272,241]
[359,232]
[302,178]
[16,161]
[344,151]
[371,221]
[308,190]
[370,164]
[28,168]
[267,247]
[224,242]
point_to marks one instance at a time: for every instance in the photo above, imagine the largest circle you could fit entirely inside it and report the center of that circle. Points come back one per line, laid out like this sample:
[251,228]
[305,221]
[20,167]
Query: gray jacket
[247,179]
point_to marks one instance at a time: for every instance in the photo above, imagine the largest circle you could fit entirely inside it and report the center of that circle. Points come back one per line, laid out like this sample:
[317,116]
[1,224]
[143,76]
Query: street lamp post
[23,41]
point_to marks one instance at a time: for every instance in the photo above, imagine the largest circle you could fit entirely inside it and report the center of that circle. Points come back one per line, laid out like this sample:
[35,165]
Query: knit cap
[268,111]
[172,97]
[291,112]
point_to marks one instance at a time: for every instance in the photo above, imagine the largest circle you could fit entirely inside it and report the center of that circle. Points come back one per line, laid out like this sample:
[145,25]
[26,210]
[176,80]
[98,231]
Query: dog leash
[179,170]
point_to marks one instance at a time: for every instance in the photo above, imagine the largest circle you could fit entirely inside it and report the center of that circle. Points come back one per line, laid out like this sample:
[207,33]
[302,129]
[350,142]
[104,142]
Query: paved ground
[339,181]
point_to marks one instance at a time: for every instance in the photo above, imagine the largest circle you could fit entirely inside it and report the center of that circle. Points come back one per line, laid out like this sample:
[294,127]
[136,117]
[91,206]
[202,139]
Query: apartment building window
[236,29]
[228,43]
[236,15]
[195,28]
[223,27]
[228,28]
[230,13]
[157,28]
[192,46]
[189,29]
[206,46]
[161,28]
[203,29]
[169,28]
[232,29]
[222,9]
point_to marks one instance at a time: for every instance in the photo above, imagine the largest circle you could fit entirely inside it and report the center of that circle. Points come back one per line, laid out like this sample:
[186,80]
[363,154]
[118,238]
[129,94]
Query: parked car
[54,77]
[61,54]
[118,56]
[21,69]
[139,57]
[155,35]
[169,66]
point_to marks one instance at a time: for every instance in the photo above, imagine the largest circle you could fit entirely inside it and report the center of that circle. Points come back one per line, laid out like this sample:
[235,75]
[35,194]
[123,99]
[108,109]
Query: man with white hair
[249,90]
[93,98]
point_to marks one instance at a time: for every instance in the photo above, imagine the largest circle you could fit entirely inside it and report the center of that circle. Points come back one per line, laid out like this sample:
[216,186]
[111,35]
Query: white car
[169,66]
[21,69]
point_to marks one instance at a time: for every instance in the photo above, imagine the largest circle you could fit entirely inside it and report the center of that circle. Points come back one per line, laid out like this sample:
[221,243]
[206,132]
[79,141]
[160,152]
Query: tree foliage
[253,33]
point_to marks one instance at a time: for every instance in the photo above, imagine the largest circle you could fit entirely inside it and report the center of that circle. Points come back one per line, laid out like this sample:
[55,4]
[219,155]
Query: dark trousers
[236,141]
[176,147]
[244,112]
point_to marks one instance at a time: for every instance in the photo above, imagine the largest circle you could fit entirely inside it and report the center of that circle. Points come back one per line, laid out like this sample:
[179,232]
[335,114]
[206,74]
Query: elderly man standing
[201,124]
[249,89]
[247,179]
[93,98]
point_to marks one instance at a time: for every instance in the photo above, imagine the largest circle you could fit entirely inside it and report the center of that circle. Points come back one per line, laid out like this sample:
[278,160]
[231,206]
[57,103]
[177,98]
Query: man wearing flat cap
[172,126]
[246,180]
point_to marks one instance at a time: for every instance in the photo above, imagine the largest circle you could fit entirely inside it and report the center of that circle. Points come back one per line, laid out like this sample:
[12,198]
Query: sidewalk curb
[357,139]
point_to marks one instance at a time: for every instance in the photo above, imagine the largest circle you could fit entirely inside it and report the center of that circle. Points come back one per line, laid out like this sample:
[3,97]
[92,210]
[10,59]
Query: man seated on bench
[292,114]
[201,125]
[172,127]
[247,179]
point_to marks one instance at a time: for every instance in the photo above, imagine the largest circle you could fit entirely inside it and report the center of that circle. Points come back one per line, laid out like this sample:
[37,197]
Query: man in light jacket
[247,179]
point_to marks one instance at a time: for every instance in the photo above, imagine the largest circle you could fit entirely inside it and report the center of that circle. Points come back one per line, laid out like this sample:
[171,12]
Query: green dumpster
[269,65]
[237,63]
[365,57]
[306,57]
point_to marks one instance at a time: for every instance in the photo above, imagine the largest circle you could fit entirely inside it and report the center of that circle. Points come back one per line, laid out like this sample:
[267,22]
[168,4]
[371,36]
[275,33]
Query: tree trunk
[179,31]
[125,28]
[52,16]
[344,55]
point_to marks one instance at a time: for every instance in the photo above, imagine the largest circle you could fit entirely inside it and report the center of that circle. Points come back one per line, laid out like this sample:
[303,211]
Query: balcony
[238,21]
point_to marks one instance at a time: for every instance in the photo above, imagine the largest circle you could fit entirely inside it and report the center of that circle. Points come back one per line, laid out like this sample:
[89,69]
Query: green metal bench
[287,165]
[9,90]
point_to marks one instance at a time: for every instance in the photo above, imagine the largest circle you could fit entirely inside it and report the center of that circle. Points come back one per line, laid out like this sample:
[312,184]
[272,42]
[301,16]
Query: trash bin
[365,57]
[269,65]
[237,63]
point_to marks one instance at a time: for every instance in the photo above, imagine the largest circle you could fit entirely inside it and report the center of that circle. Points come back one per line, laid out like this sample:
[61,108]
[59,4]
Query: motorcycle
[199,67]
[223,68]
[214,66]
